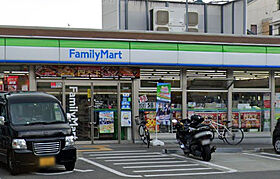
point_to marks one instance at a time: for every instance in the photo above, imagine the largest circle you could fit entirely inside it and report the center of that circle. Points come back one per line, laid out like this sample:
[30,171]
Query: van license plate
[46,161]
[205,142]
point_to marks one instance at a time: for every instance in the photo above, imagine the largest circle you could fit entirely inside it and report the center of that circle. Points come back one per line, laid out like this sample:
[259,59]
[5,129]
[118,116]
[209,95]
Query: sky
[52,13]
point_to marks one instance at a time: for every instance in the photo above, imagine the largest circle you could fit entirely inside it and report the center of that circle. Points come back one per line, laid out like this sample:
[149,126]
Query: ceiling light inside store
[20,72]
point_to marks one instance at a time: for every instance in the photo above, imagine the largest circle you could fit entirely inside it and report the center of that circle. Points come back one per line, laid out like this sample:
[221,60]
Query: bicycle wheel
[148,139]
[233,136]
[141,131]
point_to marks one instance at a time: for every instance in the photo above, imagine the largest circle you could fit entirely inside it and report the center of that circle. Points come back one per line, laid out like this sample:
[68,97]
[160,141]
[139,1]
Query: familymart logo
[95,54]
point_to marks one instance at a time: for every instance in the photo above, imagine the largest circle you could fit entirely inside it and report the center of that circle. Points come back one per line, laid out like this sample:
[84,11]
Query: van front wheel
[70,166]
[11,164]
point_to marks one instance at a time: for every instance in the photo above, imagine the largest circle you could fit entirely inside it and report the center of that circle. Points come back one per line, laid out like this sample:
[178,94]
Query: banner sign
[106,122]
[73,109]
[163,103]
[87,71]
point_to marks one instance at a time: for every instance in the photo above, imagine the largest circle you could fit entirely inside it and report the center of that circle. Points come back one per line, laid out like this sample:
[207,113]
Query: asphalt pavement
[253,158]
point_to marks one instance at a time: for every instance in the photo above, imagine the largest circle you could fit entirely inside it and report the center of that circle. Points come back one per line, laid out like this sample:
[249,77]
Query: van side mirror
[68,116]
[2,120]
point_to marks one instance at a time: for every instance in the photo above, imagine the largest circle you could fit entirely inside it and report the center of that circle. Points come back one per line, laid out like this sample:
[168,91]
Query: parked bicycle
[232,135]
[143,131]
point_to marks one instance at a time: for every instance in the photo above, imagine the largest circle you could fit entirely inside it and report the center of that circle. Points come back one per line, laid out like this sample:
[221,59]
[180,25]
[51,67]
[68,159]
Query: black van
[276,137]
[34,132]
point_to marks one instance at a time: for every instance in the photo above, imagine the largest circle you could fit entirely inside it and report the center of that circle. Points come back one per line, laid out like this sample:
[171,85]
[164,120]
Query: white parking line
[111,152]
[83,171]
[109,169]
[127,153]
[136,163]
[184,174]
[171,170]
[230,170]
[51,174]
[261,156]
[162,166]
[275,155]
[120,157]
[140,159]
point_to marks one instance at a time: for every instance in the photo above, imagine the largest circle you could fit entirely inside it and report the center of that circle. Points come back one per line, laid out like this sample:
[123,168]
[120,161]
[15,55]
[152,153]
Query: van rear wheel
[70,166]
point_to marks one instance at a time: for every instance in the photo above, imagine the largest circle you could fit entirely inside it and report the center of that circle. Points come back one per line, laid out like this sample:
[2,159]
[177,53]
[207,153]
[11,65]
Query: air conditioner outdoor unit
[177,28]
[192,29]
[193,21]
[159,19]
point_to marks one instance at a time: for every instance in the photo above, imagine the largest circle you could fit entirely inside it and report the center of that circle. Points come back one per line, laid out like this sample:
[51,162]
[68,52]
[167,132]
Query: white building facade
[263,17]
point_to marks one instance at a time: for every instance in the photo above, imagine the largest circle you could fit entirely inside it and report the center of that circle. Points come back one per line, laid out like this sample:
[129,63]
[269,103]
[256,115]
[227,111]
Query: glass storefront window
[208,104]
[53,88]
[252,111]
[251,79]
[147,110]
[277,96]
[207,80]
[126,113]
[150,77]
[14,78]
[153,83]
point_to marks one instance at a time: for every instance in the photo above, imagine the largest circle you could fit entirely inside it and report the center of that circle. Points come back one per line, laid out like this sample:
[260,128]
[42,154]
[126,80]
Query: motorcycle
[194,137]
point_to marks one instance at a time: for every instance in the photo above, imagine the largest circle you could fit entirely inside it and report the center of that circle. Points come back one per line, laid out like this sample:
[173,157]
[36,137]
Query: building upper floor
[175,16]
[263,17]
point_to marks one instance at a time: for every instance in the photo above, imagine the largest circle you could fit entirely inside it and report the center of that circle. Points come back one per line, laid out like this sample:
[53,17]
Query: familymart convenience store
[99,81]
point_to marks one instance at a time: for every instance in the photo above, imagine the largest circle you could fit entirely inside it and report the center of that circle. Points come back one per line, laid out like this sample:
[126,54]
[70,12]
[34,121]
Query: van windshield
[36,113]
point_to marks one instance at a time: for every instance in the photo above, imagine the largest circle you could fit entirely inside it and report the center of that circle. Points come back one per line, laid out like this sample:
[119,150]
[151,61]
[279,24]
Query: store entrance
[94,104]
[103,108]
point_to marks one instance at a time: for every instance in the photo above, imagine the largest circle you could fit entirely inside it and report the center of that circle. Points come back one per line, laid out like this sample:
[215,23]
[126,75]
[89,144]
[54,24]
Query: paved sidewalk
[252,141]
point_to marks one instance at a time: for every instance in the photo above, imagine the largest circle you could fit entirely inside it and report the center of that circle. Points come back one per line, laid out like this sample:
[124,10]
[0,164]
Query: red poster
[12,80]
[235,118]
[150,118]
[250,120]
[12,83]
[266,103]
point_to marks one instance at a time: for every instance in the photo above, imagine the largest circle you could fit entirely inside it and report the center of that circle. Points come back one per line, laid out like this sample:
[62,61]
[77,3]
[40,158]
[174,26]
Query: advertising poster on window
[223,117]
[150,118]
[217,117]
[129,72]
[250,120]
[163,103]
[106,122]
[87,71]
[12,83]
[126,118]
[266,100]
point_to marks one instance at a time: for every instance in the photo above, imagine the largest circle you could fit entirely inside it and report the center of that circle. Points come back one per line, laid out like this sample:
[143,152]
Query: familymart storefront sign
[60,51]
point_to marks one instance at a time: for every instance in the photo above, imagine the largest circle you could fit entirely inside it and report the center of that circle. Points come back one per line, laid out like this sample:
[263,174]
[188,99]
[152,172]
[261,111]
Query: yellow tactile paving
[94,148]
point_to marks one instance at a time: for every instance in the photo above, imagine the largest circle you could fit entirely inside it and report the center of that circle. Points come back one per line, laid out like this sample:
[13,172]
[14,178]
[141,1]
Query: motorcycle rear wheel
[206,153]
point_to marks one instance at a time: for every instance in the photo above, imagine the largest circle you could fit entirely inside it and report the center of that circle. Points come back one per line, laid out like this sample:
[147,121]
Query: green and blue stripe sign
[58,51]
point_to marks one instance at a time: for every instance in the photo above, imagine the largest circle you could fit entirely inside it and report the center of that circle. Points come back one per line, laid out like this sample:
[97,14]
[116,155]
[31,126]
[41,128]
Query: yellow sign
[88,93]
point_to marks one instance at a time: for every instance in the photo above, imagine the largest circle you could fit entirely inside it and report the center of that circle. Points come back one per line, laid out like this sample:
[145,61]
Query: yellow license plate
[46,161]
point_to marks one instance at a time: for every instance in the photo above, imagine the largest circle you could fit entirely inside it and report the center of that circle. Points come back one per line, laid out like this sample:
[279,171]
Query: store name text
[73,110]
[94,54]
